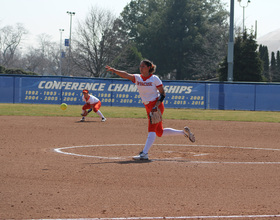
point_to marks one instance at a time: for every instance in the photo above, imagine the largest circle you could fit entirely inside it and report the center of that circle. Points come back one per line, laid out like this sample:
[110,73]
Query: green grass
[132,112]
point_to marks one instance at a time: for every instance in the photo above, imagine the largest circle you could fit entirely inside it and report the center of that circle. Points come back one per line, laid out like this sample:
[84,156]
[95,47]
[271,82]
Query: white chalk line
[178,217]
[61,150]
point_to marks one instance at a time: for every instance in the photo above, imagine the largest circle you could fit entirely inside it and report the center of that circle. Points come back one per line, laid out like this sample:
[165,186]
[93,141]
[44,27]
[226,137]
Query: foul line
[61,150]
[179,217]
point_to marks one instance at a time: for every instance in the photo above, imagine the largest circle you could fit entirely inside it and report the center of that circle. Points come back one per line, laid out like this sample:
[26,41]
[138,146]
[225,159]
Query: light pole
[231,43]
[60,50]
[244,6]
[69,55]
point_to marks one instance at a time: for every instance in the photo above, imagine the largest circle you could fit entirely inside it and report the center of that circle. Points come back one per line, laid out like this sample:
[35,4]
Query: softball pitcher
[152,93]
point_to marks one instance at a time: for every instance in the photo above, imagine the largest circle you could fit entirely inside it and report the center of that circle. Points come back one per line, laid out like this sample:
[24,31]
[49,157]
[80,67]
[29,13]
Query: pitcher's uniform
[147,87]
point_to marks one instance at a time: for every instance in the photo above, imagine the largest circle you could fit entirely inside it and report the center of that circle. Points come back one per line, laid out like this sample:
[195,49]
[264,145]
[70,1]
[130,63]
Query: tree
[247,63]
[3,70]
[276,75]
[44,59]
[273,68]
[178,35]
[95,43]
[129,59]
[136,15]
[32,61]
[10,38]
[263,50]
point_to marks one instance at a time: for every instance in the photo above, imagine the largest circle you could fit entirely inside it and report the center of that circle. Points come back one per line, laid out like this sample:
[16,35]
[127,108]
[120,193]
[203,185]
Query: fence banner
[7,89]
[120,92]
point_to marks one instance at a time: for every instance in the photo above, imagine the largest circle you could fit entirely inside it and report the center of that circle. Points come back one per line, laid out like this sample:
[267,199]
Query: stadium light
[60,49]
[69,55]
[243,6]
[231,43]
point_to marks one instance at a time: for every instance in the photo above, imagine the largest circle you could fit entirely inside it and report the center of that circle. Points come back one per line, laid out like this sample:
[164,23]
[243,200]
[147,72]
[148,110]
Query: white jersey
[91,100]
[147,87]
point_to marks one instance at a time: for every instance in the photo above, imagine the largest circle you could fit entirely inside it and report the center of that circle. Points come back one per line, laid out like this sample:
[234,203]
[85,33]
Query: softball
[63,106]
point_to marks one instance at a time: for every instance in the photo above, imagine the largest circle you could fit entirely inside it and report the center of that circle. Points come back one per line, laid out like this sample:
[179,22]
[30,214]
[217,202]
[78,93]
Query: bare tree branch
[94,42]
[10,38]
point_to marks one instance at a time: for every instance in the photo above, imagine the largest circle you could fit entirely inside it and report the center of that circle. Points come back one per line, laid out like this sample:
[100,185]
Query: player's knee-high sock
[100,114]
[171,131]
[149,142]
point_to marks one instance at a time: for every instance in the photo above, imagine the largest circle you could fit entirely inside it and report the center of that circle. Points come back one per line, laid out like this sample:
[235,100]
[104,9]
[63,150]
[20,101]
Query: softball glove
[155,117]
[85,114]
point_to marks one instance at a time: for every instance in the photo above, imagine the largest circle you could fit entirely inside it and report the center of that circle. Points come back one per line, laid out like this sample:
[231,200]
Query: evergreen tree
[276,77]
[129,59]
[263,50]
[273,67]
[187,38]
[4,70]
[247,63]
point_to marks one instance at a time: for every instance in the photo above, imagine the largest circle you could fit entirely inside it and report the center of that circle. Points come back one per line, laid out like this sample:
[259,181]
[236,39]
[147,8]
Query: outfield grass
[132,112]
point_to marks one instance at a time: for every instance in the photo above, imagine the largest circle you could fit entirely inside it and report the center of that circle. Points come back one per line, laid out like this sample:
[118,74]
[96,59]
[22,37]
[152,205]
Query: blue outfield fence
[119,92]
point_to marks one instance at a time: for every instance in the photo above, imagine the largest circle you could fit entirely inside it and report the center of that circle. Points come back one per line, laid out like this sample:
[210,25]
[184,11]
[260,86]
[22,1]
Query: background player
[92,103]
[152,93]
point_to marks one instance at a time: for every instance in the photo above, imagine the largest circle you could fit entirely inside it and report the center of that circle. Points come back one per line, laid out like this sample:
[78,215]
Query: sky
[48,16]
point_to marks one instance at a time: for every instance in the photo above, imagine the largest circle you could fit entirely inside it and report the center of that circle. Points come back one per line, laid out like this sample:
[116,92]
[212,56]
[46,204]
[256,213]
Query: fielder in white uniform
[93,104]
[152,93]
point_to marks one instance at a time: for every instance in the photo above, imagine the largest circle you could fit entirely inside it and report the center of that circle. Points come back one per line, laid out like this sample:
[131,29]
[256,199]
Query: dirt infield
[232,169]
